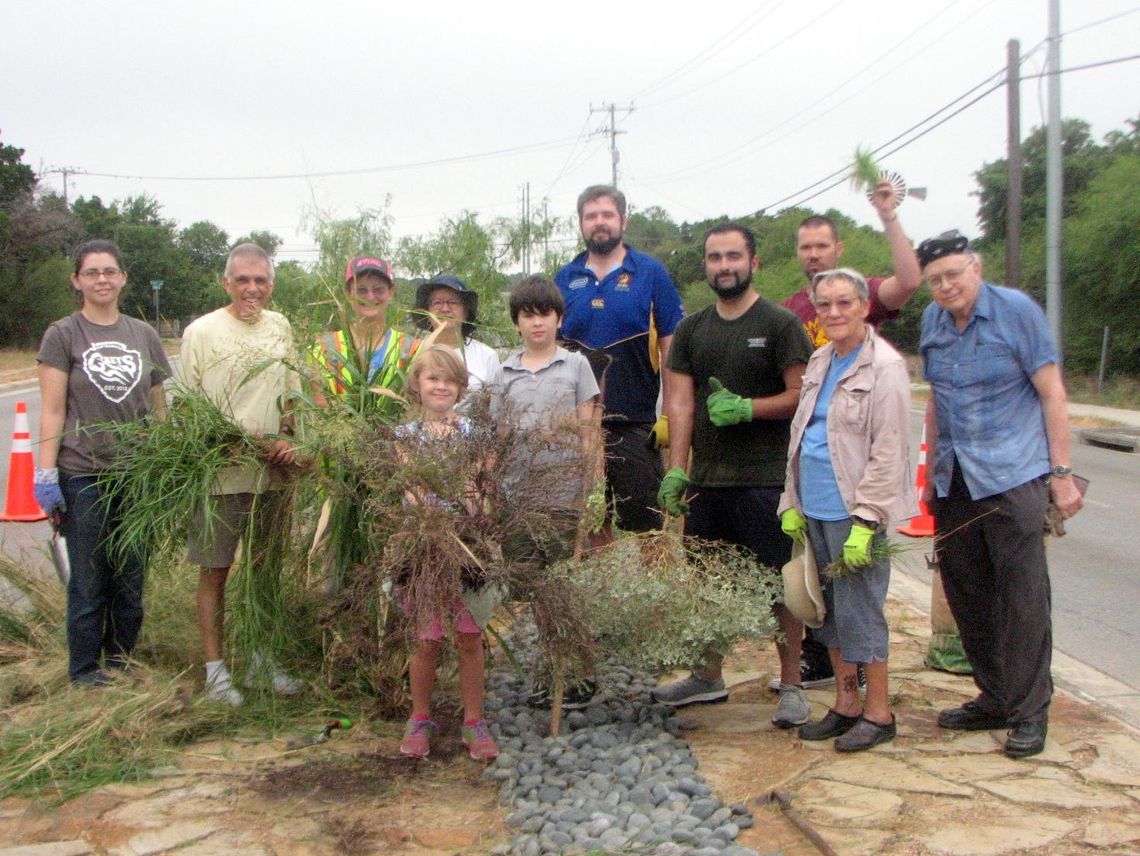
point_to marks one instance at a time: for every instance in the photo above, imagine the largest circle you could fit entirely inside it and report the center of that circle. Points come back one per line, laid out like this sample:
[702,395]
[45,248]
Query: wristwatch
[873,525]
[1060,471]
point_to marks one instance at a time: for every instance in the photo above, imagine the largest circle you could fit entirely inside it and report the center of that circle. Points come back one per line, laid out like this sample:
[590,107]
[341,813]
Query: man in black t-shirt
[735,370]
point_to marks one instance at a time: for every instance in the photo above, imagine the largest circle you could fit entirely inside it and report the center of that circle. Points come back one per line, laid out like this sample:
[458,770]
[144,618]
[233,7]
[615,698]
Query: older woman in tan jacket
[848,475]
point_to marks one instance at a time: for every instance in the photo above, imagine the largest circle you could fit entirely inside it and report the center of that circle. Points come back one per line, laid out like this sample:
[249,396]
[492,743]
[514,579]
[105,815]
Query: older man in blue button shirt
[997,424]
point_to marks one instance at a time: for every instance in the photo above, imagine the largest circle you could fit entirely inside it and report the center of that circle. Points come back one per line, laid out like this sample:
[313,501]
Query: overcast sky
[738,103]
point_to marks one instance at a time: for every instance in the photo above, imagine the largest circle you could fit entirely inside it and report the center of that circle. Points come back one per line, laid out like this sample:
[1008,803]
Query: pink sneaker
[417,736]
[479,742]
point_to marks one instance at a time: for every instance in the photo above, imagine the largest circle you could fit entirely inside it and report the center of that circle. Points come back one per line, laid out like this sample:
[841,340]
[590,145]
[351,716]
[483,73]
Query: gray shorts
[855,622]
[215,545]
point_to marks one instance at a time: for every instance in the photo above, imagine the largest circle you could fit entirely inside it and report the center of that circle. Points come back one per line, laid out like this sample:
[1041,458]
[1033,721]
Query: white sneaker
[222,689]
[282,682]
[793,708]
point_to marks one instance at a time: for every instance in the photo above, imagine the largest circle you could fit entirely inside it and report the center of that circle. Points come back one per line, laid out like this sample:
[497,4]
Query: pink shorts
[432,629]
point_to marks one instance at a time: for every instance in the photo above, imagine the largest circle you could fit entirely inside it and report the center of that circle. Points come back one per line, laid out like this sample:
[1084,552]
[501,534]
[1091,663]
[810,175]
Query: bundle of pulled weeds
[472,542]
[652,601]
[165,470]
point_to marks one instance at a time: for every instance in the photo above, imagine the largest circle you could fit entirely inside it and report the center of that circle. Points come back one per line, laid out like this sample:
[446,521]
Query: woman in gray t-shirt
[96,366]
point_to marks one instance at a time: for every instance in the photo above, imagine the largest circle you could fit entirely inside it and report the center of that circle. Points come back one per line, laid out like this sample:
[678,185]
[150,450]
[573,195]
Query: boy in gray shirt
[551,395]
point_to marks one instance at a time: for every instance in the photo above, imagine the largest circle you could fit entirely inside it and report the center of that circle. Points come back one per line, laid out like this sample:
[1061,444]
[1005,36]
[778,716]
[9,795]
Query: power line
[925,131]
[1101,21]
[1084,67]
[703,56]
[488,155]
[583,134]
[753,59]
[817,103]
[844,170]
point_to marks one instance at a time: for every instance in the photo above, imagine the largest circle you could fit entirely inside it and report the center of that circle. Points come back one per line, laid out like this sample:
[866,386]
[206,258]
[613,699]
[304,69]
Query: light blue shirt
[819,491]
[989,414]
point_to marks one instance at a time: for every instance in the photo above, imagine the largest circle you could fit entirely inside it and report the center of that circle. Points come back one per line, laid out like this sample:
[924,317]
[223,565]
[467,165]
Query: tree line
[1101,249]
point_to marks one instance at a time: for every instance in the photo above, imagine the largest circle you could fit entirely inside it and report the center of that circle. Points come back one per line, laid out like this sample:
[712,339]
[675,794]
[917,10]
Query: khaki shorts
[215,546]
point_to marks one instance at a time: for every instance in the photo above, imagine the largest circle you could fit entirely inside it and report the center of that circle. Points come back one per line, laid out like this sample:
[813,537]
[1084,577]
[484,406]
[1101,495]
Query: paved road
[1096,587]
[1093,568]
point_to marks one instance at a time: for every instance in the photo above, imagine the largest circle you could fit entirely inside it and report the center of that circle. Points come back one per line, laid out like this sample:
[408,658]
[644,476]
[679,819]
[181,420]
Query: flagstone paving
[928,792]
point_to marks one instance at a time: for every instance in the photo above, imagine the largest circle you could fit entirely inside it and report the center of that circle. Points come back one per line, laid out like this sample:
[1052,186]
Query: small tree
[16,179]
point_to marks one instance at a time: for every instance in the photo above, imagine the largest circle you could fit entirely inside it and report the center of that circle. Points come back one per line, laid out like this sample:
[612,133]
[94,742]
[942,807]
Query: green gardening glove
[857,547]
[671,495]
[794,525]
[727,408]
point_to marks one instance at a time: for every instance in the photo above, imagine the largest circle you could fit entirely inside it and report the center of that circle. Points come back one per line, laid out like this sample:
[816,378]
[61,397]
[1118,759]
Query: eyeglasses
[844,304]
[371,290]
[453,303]
[95,273]
[950,277]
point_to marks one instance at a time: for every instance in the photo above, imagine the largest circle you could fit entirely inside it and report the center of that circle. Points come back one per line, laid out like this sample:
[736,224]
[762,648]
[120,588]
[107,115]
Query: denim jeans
[104,595]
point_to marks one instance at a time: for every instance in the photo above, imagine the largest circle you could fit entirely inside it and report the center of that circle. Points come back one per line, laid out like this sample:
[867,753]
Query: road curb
[1090,685]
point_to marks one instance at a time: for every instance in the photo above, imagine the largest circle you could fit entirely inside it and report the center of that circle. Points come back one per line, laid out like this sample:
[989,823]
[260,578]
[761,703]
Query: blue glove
[45,486]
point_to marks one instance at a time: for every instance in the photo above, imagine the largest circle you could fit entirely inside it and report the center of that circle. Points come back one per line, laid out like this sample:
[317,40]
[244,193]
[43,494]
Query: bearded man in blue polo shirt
[998,431]
[621,310]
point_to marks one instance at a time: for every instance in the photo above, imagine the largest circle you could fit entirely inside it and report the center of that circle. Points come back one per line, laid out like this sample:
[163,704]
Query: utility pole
[65,171]
[545,229]
[1053,179]
[1013,159]
[615,155]
[526,228]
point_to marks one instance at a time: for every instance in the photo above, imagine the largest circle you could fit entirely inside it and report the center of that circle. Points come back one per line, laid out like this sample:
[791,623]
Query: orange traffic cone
[922,524]
[21,502]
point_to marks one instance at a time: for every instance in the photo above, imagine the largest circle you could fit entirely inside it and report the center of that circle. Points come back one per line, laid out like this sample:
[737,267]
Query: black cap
[947,244]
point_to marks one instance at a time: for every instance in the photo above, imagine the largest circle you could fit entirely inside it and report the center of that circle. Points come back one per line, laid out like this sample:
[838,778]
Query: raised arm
[904,282]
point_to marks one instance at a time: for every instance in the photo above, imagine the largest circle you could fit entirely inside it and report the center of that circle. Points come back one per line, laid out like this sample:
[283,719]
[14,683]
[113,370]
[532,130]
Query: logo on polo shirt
[580,282]
[113,368]
[623,282]
[598,303]
[758,342]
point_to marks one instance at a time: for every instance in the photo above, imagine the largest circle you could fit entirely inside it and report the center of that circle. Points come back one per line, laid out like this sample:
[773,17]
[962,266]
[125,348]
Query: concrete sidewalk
[1131,418]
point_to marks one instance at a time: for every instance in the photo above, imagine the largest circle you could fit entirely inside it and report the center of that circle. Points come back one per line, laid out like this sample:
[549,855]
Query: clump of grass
[167,469]
[865,173]
[881,548]
[83,738]
[32,618]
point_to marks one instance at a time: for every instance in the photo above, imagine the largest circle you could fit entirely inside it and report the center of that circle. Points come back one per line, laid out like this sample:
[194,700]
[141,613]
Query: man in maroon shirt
[819,248]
